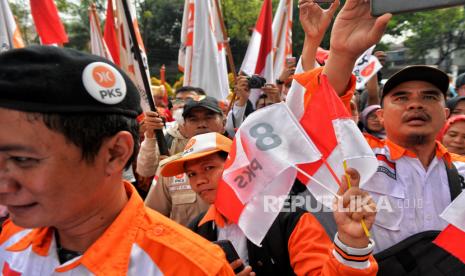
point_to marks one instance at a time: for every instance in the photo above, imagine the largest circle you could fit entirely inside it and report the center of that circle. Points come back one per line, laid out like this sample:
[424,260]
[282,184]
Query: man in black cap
[68,122]
[173,196]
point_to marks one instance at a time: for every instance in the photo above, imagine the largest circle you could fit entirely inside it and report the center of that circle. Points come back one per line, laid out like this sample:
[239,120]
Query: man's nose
[415,103]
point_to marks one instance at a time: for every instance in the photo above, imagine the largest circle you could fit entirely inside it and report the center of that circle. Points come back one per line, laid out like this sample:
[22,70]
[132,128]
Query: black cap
[49,79]
[207,102]
[418,73]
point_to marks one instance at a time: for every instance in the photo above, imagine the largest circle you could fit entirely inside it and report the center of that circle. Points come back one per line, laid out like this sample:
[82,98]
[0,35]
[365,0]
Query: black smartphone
[231,253]
[380,7]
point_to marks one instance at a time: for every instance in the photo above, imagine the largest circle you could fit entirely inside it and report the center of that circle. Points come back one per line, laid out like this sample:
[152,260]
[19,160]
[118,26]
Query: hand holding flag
[354,222]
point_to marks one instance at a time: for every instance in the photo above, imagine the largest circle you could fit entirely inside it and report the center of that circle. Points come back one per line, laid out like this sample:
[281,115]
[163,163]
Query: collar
[213,215]
[396,151]
[116,241]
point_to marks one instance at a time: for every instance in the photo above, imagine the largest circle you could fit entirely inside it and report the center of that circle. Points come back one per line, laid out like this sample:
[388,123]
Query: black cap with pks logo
[49,79]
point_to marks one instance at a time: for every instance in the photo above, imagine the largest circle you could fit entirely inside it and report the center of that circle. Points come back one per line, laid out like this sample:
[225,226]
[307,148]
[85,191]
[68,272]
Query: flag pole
[232,67]
[364,226]
[159,133]
[93,10]
[280,34]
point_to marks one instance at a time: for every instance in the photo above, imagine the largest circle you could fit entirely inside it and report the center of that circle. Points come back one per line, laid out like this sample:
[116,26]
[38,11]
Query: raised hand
[350,208]
[315,20]
[355,30]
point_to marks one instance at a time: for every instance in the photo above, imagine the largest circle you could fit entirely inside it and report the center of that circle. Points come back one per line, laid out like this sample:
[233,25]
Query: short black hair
[199,91]
[223,155]
[89,131]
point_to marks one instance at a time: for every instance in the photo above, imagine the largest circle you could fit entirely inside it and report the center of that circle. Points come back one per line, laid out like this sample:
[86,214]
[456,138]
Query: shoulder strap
[454,181]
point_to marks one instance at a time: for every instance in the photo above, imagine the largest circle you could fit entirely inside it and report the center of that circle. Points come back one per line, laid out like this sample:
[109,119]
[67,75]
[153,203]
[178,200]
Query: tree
[443,30]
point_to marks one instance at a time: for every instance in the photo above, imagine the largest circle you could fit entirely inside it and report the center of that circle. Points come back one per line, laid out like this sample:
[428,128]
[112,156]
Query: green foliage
[442,29]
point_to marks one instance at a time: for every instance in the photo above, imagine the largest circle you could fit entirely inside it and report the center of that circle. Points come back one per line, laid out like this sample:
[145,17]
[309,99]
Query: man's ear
[447,110]
[117,150]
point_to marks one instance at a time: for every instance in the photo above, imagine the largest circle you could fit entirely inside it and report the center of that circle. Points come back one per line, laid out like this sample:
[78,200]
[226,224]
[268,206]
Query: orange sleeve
[310,79]
[310,251]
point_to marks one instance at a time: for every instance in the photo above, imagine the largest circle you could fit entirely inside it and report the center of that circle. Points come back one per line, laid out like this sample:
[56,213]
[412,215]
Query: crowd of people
[85,190]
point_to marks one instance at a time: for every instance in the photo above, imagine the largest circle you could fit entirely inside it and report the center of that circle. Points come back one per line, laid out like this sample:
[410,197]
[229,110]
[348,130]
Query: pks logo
[104,83]
[103,76]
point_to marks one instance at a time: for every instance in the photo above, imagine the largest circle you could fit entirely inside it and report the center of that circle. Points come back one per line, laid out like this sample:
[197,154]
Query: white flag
[366,67]
[202,56]
[10,36]
[261,167]
[97,44]
[282,35]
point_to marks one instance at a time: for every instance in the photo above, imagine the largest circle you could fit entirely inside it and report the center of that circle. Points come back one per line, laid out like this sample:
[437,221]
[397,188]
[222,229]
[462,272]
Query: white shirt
[409,197]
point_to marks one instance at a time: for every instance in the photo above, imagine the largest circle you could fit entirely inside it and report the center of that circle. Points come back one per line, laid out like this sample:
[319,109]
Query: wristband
[278,81]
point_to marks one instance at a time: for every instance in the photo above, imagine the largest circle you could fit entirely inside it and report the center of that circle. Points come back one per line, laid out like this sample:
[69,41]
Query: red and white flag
[260,169]
[109,33]
[282,36]
[128,61]
[366,66]
[97,44]
[47,21]
[202,56]
[10,35]
[328,123]
[452,239]
[259,56]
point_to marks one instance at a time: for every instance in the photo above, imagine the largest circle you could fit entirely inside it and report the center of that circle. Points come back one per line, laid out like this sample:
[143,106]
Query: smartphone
[231,253]
[380,7]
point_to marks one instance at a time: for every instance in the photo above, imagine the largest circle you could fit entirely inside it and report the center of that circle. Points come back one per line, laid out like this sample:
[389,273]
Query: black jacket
[273,257]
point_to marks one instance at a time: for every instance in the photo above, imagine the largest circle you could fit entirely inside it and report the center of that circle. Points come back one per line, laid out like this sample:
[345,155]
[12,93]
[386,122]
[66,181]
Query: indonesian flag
[128,61]
[48,23]
[328,123]
[202,56]
[97,44]
[260,169]
[366,66]
[109,34]
[452,238]
[259,56]
[282,35]
[10,35]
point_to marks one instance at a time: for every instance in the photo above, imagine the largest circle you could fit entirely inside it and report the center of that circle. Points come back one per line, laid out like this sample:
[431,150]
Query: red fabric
[48,23]
[227,202]
[109,34]
[263,26]
[447,125]
[452,240]
[7,271]
[323,107]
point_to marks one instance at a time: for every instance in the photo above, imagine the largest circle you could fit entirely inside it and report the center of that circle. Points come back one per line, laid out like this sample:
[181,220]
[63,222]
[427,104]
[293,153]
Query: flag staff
[159,133]
[280,34]
[232,67]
